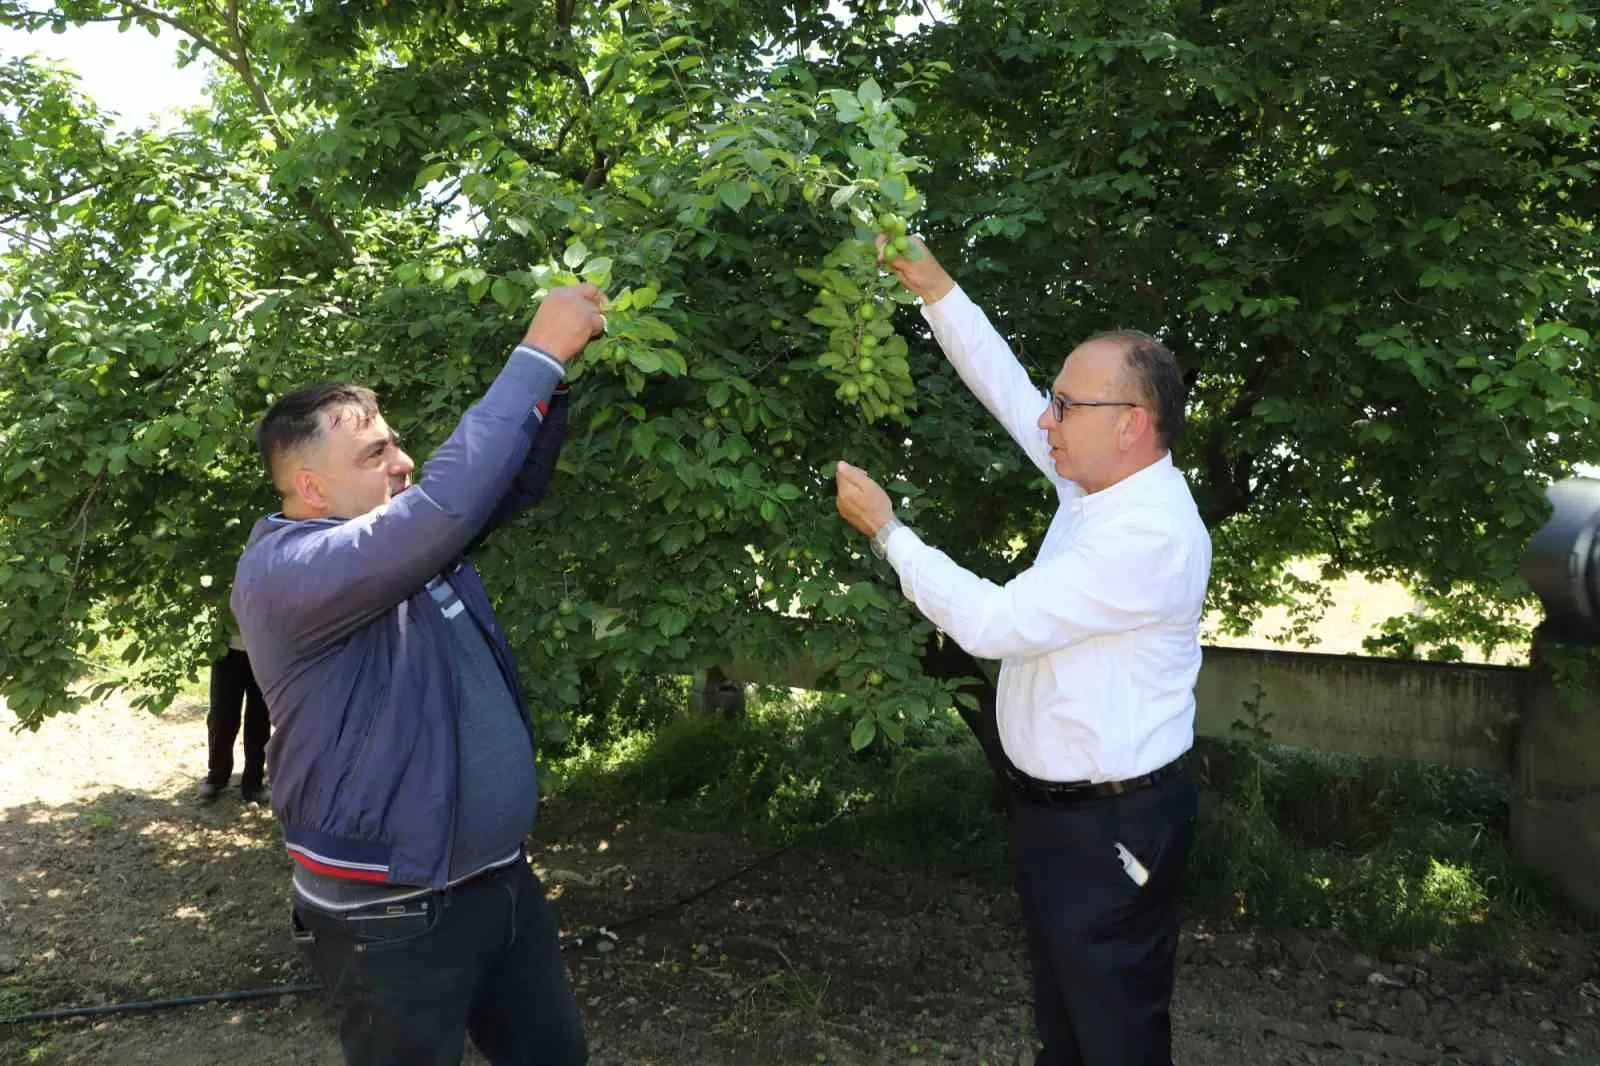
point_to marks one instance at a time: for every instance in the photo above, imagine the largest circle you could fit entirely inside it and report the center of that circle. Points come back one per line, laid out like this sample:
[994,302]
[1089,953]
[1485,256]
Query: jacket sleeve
[528,487]
[317,582]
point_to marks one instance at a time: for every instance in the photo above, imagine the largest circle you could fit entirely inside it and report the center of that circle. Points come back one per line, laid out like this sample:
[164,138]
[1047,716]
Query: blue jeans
[411,980]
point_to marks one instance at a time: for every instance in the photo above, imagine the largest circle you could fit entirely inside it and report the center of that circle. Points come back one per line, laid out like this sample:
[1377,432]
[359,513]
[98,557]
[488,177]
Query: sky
[133,74]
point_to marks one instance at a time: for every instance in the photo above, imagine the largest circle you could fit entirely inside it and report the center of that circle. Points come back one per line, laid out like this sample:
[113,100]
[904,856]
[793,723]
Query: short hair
[295,420]
[1154,371]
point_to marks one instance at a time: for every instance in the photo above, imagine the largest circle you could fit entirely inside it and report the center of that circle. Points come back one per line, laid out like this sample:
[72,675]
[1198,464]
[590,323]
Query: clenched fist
[568,318]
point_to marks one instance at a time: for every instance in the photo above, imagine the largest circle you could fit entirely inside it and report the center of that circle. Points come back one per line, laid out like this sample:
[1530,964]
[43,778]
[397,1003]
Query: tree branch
[32,209]
[601,167]
[26,238]
[241,64]
[1230,480]
[239,61]
[943,659]
[182,27]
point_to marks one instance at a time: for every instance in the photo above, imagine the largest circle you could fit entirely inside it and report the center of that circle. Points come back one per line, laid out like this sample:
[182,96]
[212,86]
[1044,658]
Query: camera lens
[1563,562]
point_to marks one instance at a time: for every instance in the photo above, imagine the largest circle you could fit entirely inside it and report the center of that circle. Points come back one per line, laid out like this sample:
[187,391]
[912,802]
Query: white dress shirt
[1099,638]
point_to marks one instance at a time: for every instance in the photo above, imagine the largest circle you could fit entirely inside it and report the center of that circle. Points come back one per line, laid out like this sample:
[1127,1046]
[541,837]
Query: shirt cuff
[542,356]
[950,304]
[901,545]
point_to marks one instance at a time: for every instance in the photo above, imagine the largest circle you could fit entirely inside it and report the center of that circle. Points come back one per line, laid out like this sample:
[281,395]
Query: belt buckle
[1065,793]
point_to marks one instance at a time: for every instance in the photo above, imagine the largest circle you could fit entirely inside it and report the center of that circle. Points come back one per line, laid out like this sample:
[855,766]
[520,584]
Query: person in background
[233,686]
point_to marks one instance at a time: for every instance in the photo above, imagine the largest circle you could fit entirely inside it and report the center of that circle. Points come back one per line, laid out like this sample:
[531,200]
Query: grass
[785,769]
[1391,854]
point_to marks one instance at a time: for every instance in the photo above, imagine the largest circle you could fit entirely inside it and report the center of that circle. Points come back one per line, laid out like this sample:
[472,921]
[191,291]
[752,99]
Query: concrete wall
[1555,812]
[1461,715]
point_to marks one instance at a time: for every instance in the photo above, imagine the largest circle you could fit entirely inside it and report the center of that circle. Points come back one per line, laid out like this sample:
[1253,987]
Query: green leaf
[642,440]
[505,294]
[865,730]
[869,94]
[735,194]
[575,254]
[848,106]
[430,173]
[645,361]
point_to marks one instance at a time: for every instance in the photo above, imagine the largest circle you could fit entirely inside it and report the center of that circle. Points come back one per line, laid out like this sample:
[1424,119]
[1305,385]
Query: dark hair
[1154,371]
[295,419]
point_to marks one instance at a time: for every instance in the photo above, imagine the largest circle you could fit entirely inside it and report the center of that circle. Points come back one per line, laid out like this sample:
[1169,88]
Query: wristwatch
[880,539]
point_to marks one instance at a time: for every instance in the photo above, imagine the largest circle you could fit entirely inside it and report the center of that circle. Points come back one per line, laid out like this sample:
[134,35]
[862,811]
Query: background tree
[1367,232]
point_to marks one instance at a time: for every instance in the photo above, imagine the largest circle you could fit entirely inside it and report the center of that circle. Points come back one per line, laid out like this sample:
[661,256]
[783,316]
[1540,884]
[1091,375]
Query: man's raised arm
[337,574]
[980,355]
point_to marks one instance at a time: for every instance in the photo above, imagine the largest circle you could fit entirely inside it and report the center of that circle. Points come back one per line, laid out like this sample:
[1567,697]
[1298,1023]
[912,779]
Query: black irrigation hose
[578,938]
[159,1004]
[568,941]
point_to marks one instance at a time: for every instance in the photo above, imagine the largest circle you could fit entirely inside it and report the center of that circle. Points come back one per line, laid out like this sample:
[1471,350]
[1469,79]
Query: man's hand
[568,318]
[923,275]
[861,502]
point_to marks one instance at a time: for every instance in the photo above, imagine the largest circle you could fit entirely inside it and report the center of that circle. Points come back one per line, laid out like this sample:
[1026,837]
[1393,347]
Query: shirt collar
[1136,484]
[278,518]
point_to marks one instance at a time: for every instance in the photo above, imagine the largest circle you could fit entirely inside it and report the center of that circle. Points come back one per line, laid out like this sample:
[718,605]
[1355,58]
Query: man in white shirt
[1099,642]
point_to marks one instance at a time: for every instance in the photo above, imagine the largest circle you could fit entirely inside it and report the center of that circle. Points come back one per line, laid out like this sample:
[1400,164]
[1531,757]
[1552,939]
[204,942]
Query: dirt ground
[115,886]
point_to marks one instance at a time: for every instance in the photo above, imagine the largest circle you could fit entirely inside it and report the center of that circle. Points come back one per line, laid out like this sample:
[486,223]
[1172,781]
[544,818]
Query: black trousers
[232,686]
[411,980]
[1103,946]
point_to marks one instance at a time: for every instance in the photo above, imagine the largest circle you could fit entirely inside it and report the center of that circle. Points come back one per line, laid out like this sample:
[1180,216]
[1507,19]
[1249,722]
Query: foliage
[1389,853]
[783,771]
[1367,231]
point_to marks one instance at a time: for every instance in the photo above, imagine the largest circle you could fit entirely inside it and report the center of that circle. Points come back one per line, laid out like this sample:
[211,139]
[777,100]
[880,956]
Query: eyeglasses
[1062,407]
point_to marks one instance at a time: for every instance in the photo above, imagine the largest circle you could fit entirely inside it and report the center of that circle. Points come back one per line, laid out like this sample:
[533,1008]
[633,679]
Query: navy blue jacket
[352,653]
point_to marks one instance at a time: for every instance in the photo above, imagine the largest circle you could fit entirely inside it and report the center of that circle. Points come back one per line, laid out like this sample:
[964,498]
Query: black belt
[1064,792]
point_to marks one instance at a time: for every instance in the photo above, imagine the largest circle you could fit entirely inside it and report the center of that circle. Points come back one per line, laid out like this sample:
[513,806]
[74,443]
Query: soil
[116,886]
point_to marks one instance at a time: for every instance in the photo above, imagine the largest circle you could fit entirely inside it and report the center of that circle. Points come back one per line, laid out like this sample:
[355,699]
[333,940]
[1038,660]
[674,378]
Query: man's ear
[310,488]
[1136,422]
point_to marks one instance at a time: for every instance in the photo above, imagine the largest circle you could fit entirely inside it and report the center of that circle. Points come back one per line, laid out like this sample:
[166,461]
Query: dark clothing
[1103,947]
[411,980]
[497,794]
[373,691]
[233,687]
[356,657]
[497,790]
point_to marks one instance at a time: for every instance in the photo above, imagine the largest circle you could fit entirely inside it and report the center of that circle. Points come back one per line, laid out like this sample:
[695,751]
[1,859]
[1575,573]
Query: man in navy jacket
[401,756]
